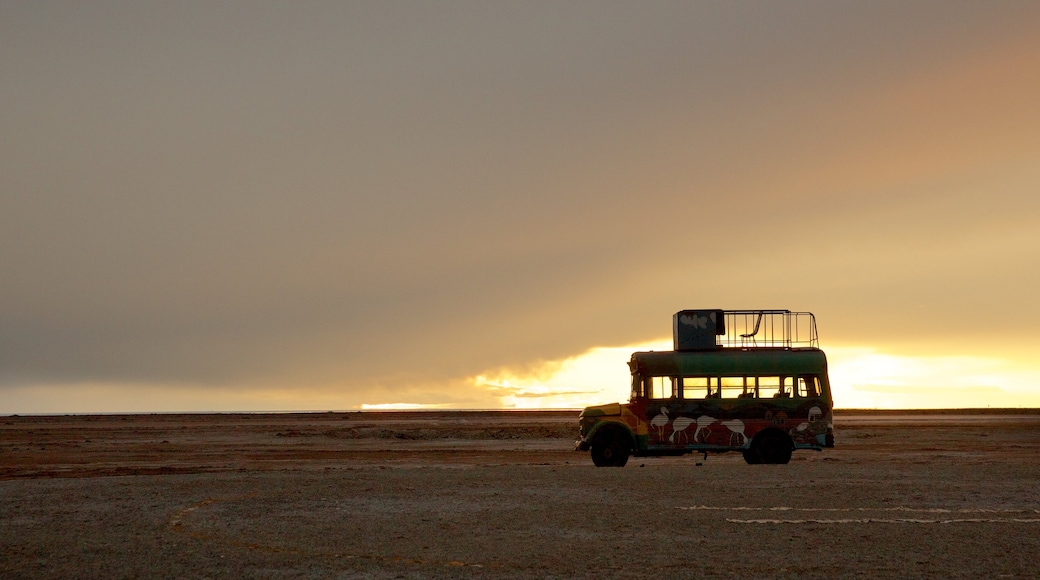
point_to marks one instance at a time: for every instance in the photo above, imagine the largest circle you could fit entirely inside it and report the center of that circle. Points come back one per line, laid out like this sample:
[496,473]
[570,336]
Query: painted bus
[753,381]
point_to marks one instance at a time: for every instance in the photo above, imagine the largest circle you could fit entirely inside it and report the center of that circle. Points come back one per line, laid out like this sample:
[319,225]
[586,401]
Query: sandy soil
[502,494]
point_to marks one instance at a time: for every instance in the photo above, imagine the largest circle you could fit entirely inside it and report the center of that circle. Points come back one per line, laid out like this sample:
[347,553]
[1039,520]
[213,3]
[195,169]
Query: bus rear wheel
[773,448]
[609,450]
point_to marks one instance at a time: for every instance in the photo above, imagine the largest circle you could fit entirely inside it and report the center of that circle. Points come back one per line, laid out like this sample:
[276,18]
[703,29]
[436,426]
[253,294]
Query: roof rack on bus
[744,329]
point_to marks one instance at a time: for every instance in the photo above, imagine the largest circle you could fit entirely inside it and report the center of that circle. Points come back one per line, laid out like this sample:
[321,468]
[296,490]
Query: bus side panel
[805,420]
[733,423]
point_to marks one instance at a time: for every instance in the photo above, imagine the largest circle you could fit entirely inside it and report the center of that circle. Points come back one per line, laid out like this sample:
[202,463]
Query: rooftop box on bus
[753,381]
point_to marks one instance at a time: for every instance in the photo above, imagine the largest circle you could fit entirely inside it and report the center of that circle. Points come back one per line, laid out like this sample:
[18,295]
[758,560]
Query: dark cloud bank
[375,195]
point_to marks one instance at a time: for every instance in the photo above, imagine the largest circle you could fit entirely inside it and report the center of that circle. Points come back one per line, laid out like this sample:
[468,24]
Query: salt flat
[501,494]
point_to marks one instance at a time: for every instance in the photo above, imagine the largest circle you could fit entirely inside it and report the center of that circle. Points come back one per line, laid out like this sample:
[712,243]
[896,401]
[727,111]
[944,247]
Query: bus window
[733,387]
[768,387]
[786,387]
[662,387]
[808,386]
[694,387]
[750,388]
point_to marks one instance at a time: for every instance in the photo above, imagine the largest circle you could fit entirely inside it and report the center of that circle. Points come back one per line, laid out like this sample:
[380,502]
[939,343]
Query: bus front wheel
[772,448]
[610,450]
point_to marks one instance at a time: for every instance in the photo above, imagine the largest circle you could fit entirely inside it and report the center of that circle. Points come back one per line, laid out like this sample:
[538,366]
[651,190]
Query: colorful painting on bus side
[728,424]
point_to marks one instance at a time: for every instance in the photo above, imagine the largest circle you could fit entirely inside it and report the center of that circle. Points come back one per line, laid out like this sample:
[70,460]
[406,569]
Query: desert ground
[503,495]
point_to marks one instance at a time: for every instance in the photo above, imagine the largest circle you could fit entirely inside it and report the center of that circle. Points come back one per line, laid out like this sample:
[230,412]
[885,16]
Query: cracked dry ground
[501,494]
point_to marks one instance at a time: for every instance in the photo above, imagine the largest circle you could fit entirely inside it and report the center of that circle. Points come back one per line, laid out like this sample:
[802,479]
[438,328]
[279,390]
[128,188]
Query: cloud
[383,203]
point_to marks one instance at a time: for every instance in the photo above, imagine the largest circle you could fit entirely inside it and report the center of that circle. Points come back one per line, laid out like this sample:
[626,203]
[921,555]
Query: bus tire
[610,448]
[772,448]
[751,457]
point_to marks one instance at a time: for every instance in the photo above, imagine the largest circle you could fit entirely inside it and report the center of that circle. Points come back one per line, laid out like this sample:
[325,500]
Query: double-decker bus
[753,381]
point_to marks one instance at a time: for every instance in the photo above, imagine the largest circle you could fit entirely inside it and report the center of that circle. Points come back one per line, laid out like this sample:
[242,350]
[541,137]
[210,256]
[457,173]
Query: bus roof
[727,362]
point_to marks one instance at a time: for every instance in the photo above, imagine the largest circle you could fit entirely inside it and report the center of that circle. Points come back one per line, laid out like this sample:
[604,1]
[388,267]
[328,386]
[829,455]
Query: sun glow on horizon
[599,375]
[861,377]
[869,378]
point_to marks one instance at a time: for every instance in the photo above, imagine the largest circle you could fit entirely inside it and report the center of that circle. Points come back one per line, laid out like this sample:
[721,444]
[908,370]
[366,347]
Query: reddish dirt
[502,494]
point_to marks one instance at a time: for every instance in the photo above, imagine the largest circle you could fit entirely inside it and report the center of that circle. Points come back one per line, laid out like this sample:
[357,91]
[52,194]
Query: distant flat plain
[502,494]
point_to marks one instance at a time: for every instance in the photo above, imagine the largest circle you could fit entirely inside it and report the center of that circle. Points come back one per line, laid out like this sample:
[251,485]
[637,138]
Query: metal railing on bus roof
[769,329]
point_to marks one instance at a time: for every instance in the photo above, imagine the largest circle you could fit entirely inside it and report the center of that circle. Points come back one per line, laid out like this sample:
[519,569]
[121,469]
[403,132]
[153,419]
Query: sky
[251,205]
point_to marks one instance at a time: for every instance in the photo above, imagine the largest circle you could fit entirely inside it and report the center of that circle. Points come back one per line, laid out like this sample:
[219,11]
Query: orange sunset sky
[341,205]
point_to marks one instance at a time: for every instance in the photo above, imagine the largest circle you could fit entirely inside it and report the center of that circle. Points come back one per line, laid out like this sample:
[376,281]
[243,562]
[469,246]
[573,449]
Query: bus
[753,381]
